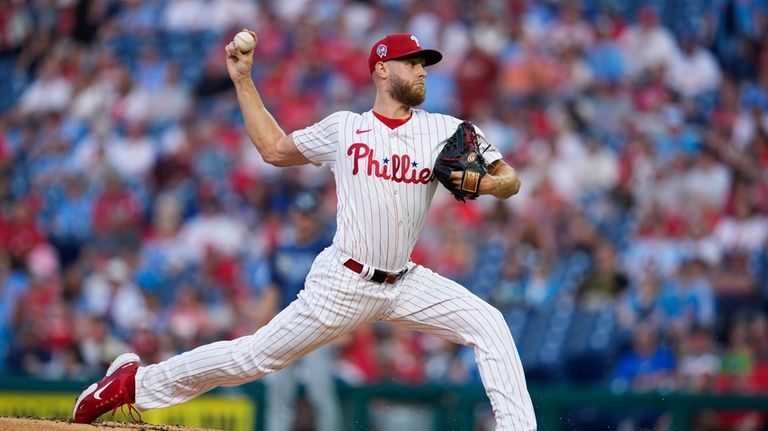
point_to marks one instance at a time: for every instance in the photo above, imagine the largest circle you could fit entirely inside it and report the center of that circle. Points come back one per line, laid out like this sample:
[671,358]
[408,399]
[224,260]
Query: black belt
[379,276]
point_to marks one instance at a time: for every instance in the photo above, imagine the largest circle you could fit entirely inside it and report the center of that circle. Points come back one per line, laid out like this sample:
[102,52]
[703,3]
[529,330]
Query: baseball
[244,41]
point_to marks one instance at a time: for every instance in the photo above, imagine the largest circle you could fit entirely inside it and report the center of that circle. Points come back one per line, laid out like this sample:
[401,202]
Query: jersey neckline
[392,123]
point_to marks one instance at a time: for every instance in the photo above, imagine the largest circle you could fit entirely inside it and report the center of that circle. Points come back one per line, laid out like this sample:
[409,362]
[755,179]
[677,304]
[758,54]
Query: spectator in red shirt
[116,214]
[20,232]
[476,79]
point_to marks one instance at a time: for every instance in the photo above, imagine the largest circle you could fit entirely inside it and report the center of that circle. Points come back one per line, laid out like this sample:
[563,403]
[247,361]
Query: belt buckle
[392,277]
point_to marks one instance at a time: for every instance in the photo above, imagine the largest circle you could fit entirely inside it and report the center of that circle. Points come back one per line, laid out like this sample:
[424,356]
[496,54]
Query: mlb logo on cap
[400,45]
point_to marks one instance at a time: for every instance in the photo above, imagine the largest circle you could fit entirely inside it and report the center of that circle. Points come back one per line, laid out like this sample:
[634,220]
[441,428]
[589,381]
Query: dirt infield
[23,424]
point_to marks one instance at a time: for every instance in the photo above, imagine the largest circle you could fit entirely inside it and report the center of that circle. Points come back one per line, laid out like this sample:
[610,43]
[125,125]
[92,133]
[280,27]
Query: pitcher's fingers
[241,56]
[456,177]
[230,49]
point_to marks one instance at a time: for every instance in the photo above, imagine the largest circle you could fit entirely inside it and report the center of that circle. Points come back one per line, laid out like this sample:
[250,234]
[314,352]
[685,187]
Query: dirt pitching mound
[24,424]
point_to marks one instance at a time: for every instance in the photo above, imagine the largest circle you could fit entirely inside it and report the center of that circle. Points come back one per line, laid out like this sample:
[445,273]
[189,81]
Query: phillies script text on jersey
[383,179]
[399,164]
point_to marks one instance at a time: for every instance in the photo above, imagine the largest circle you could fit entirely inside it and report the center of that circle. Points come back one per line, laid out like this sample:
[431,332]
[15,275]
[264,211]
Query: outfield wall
[440,407]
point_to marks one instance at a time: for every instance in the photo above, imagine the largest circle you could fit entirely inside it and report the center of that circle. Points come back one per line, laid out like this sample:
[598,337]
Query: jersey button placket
[394,150]
[395,145]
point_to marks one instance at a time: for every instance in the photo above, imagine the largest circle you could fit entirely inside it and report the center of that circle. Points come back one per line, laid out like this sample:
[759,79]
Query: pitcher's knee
[490,321]
[495,317]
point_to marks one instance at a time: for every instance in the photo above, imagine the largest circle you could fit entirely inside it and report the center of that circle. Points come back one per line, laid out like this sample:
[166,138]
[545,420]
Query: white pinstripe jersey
[384,179]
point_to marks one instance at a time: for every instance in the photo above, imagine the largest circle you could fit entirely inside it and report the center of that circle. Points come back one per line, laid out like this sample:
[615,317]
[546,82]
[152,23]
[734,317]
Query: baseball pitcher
[385,162]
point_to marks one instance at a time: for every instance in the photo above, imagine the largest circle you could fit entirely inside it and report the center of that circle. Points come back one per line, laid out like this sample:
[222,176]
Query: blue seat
[543,342]
[591,345]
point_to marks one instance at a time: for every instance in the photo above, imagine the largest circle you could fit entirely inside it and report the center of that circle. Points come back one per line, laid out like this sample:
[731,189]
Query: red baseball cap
[400,45]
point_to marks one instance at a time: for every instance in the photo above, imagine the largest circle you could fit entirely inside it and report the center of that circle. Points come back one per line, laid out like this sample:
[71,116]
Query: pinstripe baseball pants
[336,300]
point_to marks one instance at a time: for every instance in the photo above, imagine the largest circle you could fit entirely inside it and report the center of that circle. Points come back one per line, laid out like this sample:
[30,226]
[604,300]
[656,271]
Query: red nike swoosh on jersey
[360,132]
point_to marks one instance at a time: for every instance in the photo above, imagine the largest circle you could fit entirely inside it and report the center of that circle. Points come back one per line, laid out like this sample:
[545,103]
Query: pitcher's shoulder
[347,115]
[436,118]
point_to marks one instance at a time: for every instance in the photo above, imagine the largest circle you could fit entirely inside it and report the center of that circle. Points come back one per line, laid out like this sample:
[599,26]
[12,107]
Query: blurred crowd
[136,215]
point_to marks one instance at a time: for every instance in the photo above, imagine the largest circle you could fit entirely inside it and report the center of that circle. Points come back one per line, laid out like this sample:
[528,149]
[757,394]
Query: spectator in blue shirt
[289,266]
[649,366]
[688,299]
[14,283]
[605,57]
[71,219]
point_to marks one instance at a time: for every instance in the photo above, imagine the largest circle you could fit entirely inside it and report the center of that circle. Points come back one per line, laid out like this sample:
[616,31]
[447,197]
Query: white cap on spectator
[117,270]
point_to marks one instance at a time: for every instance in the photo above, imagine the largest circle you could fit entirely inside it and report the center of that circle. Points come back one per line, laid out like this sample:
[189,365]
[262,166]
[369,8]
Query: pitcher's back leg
[431,303]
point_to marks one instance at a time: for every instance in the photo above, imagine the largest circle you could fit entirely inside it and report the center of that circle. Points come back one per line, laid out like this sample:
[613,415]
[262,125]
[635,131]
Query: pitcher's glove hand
[462,153]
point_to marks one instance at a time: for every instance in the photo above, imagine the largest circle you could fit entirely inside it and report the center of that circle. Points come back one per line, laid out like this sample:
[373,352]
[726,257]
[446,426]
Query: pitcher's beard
[408,94]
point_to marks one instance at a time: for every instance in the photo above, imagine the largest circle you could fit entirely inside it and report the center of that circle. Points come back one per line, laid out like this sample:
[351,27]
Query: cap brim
[430,56]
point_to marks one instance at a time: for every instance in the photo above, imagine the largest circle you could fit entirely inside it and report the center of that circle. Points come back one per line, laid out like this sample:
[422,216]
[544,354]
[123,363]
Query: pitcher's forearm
[507,182]
[260,124]
[507,186]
